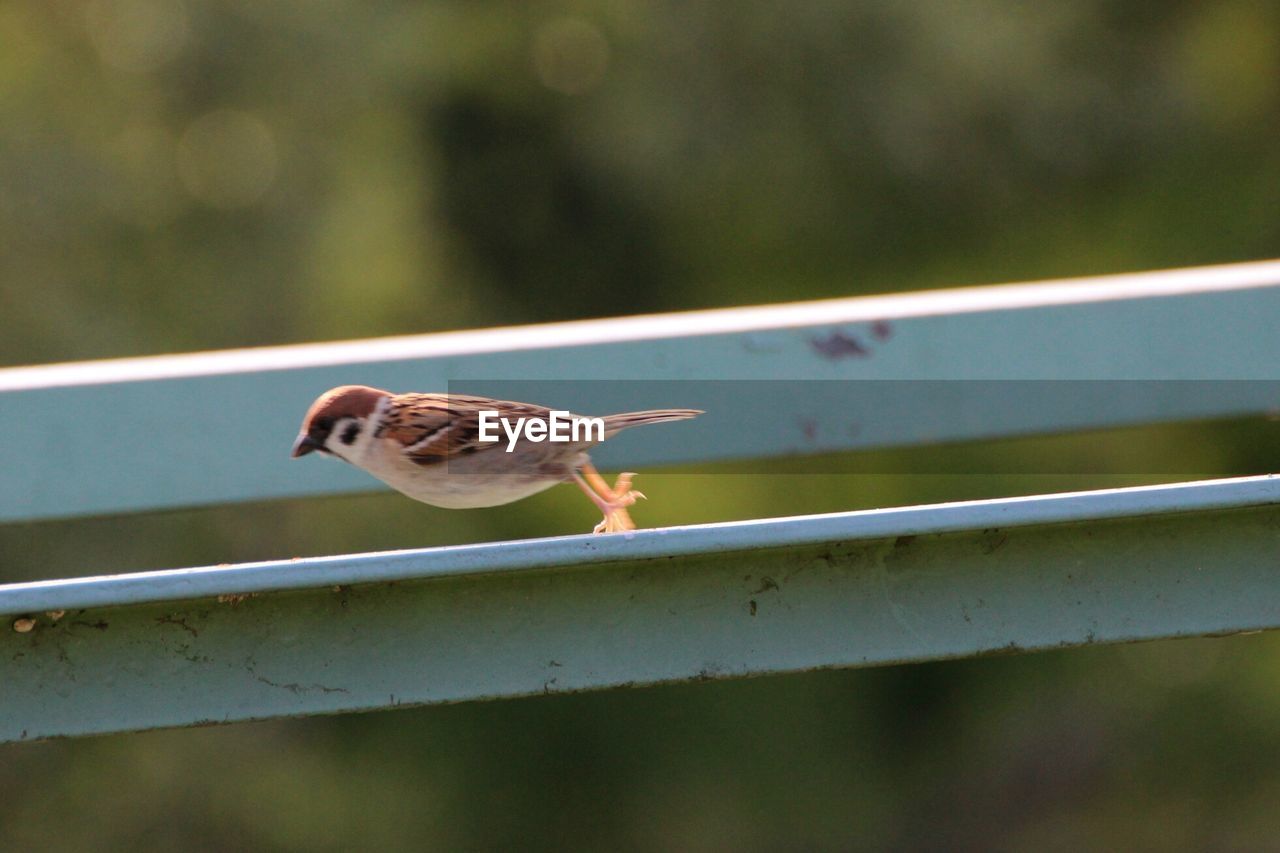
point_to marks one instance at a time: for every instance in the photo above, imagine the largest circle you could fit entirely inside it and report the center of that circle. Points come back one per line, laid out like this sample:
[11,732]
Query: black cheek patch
[349,434]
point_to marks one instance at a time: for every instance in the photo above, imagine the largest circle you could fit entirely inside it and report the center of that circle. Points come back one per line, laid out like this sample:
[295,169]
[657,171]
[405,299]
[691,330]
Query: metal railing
[369,631]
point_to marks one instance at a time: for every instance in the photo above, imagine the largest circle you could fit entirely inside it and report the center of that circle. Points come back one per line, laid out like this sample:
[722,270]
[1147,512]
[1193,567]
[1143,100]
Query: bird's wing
[435,427]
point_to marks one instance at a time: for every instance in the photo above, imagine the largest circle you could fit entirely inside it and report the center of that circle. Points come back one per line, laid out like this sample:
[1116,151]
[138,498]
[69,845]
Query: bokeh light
[227,158]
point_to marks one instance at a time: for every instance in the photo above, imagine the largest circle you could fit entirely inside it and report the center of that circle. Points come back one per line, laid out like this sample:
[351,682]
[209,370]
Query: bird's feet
[614,506]
[612,501]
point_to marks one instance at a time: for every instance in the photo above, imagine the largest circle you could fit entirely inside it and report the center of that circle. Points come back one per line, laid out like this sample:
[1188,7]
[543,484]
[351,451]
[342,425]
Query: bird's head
[338,420]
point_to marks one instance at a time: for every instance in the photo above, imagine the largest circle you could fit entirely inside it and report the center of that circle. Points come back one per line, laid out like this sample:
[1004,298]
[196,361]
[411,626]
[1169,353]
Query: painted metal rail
[214,645]
[848,373]
[193,646]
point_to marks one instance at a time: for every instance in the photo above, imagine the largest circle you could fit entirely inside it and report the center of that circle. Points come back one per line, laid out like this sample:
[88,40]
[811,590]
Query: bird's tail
[614,424]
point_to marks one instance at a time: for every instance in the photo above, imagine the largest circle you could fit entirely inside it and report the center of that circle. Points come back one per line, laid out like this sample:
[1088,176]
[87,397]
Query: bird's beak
[304,445]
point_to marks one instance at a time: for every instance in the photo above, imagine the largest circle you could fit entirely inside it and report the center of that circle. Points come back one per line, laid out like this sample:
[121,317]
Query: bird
[459,451]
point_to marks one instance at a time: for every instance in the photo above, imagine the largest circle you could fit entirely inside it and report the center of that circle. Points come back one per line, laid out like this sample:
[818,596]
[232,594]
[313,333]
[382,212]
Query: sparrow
[441,448]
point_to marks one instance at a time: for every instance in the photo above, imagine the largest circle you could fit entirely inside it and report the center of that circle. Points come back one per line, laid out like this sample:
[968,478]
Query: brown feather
[614,424]
[445,425]
[348,400]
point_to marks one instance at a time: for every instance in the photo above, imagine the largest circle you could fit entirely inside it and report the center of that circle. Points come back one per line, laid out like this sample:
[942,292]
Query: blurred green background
[187,175]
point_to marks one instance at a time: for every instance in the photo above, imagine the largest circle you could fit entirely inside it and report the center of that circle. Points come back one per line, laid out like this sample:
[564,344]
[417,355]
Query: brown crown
[345,401]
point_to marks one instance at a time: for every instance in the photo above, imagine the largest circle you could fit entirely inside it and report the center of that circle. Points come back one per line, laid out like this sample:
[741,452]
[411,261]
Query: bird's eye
[349,434]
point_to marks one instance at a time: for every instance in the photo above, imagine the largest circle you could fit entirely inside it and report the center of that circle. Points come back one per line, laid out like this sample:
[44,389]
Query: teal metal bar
[189,430]
[213,645]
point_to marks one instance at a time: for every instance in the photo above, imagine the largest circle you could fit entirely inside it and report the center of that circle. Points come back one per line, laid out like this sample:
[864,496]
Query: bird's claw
[616,518]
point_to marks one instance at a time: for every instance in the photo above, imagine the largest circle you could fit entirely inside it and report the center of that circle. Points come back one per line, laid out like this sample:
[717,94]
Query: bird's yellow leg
[621,489]
[612,503]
